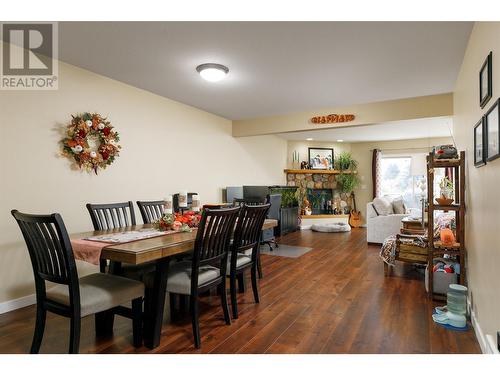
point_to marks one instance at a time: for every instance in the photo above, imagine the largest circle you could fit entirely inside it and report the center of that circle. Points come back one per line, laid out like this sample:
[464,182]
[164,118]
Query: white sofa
[379,227]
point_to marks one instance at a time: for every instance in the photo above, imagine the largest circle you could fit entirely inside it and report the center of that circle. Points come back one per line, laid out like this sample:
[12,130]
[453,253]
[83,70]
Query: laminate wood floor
[334,299]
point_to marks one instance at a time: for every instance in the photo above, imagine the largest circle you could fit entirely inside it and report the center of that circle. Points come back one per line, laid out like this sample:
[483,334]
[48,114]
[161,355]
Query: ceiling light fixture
[309,139]
[212,72]
[340,140]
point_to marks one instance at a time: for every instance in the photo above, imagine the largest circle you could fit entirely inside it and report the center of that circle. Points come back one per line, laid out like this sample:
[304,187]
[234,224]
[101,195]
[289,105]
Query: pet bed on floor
[331,227]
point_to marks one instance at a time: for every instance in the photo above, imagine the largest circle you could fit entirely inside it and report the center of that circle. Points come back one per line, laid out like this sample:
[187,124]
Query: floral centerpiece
[178,222]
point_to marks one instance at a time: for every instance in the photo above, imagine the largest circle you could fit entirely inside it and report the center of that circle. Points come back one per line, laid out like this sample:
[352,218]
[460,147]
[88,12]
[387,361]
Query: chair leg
[223,299]
[172,298]
[259,266]
[182,303]
[193,302]
[241,283]
[137,321]
[255,286]
[104,322]
[41,315]
[232,289]
[74,337]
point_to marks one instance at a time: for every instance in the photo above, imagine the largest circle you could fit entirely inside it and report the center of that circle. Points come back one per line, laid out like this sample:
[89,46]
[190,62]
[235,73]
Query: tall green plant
[347,181]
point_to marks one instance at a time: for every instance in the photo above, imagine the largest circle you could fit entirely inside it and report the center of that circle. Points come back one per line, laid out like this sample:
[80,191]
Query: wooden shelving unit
[436,248]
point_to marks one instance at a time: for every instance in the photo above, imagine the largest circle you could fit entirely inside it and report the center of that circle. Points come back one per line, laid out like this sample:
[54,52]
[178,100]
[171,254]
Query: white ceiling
[388,131]
[275,67]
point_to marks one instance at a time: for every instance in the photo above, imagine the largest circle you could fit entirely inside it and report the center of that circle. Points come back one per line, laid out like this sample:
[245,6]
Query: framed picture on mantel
[320,158]
[485,82]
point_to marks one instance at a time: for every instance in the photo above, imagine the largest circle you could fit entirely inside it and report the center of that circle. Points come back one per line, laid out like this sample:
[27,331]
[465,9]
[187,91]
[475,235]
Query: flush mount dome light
[212,72]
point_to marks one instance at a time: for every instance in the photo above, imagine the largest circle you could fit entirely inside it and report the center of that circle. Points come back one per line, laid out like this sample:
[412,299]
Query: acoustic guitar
[355,215]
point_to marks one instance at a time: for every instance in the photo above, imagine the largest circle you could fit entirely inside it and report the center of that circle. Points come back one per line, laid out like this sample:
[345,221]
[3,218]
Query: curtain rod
[404,149]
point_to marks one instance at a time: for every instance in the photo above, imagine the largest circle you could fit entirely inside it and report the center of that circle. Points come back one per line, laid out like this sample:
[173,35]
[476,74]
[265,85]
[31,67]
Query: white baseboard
[17,303]
[486,342]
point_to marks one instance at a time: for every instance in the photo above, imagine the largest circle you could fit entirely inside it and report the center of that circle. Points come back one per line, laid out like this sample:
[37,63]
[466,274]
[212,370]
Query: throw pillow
[398,205]
[383,206]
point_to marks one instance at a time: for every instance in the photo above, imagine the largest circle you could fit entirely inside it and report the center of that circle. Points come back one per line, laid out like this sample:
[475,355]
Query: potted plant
[344,162]
[447,191]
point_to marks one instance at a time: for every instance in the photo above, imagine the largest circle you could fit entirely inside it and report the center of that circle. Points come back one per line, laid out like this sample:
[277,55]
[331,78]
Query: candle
[183,200]
[196,203]
[167,208]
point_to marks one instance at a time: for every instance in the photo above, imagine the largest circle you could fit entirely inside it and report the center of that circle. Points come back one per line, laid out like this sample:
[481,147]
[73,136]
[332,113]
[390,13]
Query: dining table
[158,251]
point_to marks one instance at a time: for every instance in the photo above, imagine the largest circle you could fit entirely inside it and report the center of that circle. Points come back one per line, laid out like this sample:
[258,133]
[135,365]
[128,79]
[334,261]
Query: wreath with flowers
[91,142]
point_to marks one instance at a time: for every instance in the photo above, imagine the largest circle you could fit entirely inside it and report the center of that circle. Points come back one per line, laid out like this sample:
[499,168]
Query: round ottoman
[331,227]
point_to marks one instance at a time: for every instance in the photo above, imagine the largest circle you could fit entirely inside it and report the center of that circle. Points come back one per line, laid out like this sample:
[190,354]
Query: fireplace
[320,200]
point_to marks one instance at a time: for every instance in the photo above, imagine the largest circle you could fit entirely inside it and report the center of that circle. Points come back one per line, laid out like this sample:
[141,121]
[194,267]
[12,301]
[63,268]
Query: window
[406,176]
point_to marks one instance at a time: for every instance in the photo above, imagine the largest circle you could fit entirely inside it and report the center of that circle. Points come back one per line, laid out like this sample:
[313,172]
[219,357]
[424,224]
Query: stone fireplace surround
[314,180]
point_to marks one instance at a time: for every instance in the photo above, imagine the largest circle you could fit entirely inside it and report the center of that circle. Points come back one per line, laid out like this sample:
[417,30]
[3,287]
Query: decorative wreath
[91,142]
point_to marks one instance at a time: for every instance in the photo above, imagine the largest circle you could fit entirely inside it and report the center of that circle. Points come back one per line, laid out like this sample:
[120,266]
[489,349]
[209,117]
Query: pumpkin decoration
[447,237]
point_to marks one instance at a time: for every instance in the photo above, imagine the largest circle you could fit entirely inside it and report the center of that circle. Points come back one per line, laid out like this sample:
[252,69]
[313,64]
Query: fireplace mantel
[316,171]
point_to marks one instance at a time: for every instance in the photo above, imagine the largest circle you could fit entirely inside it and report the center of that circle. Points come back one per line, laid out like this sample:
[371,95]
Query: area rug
[285,251]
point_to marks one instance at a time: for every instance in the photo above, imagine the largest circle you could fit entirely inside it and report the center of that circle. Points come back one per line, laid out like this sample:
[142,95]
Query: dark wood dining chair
[245,249]
[151,210]
[111,215]
[256,201]
[52,260]
[208,267]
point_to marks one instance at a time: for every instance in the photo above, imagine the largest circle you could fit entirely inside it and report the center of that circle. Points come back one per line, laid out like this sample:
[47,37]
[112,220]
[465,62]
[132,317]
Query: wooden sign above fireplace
[332,119]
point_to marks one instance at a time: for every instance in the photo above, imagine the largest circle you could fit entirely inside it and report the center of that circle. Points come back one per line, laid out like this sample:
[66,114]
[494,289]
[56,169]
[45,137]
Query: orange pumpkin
[447,237]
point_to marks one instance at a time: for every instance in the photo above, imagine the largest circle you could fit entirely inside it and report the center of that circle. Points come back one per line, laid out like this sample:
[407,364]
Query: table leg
[155,303]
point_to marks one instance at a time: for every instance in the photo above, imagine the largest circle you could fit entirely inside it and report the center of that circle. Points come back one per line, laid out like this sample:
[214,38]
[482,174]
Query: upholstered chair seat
[179,277]
[99,292]
[241,260]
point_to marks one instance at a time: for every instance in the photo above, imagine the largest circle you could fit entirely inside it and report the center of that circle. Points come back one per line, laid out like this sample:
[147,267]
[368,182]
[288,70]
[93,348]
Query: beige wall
[362,152]
[482,198]
[368,113]
[167,146]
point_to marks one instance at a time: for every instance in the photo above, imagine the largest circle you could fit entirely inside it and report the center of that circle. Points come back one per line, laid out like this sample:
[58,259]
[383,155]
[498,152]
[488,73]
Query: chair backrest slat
[112,215]
[151,210]
[248,228]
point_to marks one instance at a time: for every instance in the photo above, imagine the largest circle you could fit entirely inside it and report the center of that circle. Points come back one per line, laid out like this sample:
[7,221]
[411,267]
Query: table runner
[89,249]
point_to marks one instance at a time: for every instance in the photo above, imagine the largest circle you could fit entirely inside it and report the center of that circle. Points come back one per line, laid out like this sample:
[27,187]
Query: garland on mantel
[91,142]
